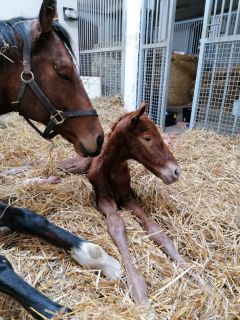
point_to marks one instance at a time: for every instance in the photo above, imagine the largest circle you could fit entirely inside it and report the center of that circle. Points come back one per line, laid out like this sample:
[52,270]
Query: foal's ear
[47,14]
[139,113]
[142,109]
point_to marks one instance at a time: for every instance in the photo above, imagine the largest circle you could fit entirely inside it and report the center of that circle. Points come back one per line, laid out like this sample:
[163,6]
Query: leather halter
[57,116]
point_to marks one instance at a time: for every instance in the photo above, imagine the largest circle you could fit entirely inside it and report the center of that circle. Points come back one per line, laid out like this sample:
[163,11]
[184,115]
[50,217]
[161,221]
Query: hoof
[138,288]
[93,256]
[38,181]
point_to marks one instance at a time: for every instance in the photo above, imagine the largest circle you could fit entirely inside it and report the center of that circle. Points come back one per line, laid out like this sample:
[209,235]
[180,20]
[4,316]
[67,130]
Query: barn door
[157,23]
[216,103]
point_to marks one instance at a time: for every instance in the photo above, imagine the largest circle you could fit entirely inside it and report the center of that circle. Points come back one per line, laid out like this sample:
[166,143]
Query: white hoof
[93,256]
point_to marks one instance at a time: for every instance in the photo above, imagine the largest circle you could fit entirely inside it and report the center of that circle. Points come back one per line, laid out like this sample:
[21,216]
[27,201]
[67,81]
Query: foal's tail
[75,165]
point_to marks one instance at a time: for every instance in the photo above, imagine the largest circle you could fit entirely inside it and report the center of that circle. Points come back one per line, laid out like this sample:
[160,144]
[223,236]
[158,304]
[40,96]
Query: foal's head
[55,72]
[145,145]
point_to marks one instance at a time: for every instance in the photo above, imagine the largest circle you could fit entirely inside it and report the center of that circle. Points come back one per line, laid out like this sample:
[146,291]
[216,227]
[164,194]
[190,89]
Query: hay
[200,213]
[182,79]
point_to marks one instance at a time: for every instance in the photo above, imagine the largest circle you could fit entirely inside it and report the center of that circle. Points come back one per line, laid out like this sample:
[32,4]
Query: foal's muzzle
[170,173]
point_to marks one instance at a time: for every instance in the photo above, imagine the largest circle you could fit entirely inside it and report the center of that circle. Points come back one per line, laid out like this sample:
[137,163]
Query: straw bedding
[200,213]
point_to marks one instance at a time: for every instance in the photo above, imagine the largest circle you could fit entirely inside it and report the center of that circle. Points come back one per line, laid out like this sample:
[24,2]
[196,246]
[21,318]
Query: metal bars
[187,35]
[223,23]
[101,42]
[155,54]
[216,103]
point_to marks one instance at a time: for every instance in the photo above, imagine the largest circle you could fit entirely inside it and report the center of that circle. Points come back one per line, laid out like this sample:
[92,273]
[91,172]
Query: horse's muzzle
[87,153]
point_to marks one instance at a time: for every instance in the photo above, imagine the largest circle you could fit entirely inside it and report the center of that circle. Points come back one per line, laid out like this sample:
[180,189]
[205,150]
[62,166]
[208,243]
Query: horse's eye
[64,72]
[147,138]
[65,77]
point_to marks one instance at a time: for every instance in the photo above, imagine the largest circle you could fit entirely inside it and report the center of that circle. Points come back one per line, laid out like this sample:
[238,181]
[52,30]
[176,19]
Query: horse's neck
[9,78]
[114,153]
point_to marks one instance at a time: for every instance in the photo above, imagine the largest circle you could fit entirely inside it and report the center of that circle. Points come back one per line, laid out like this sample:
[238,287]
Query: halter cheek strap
[57,116]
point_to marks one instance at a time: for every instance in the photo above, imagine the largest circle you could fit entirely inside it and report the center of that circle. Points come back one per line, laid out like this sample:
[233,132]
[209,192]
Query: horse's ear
[139,113]
[47,14]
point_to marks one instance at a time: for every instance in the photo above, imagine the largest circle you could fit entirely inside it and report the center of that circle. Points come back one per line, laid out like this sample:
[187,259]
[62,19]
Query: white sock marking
[93,256]
[4,229]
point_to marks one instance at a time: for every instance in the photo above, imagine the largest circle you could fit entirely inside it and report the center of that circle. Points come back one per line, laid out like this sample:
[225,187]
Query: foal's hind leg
[74,165]
[158,236]
[117,230]
[38,305]
[84,252]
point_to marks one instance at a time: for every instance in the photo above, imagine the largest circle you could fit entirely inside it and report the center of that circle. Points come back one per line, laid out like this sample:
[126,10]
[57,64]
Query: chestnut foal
[134,136]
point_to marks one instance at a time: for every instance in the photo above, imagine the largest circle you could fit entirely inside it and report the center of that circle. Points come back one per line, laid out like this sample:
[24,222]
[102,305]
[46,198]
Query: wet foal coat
[134,136]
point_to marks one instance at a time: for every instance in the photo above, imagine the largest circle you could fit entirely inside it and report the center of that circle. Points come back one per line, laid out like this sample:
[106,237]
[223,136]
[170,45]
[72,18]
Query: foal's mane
[18,28]
[114,124]
[146,123]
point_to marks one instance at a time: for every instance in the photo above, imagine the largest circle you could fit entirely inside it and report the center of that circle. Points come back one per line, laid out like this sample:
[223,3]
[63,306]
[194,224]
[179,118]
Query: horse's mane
[18,28]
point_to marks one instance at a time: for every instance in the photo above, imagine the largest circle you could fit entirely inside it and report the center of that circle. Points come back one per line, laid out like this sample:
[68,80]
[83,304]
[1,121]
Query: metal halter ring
[30,74]
[57,118]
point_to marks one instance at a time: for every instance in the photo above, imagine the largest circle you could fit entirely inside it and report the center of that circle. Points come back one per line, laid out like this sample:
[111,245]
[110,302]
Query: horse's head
[54,71]
[146,145]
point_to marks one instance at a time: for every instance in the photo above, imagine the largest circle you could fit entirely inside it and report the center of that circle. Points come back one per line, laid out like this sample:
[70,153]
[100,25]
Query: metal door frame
[106,48]
[217,39]
[167,45]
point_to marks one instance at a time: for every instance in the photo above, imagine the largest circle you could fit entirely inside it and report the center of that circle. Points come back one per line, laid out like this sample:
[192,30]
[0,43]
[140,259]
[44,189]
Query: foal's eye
[147,138]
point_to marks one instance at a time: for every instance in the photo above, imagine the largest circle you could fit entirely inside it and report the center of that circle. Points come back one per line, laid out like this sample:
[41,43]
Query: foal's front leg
[158,236]
[38,305]
[84,252]
[117,230]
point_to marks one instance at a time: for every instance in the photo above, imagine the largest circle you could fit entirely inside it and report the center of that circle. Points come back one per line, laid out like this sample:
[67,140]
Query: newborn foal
[134,136]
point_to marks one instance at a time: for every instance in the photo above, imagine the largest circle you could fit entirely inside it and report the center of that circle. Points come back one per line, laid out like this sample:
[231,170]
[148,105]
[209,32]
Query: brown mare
[134,136]
[38,79]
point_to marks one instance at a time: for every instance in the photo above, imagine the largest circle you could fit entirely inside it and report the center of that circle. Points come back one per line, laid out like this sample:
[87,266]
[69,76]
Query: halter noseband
[57,117]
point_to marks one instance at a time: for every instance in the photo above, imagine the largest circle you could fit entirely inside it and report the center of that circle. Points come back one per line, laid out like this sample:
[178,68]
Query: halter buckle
[57,118]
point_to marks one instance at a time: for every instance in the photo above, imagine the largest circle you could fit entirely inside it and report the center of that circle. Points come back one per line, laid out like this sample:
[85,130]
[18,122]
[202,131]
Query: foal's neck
[114,151]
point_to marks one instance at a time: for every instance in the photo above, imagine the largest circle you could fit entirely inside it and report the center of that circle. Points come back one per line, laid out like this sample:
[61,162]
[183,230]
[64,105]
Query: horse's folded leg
[74,165]
[84,252]
[38,305]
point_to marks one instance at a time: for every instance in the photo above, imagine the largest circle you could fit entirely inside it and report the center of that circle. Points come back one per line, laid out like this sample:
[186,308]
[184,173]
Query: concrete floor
[181,127]
[175,129]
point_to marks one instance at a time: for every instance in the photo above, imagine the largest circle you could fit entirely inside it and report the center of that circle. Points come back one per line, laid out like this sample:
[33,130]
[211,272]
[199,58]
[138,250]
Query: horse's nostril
[100,140]
[177,173]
